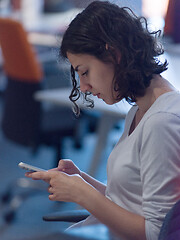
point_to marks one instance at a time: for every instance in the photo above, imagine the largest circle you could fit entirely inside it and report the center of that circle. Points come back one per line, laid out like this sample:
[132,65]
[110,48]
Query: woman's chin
[109,102]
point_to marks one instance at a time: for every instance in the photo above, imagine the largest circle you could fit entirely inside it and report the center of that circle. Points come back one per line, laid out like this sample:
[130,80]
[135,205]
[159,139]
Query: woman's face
[95,76]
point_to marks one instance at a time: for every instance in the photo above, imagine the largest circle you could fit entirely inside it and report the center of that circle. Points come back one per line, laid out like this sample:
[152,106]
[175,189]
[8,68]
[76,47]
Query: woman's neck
[158,86]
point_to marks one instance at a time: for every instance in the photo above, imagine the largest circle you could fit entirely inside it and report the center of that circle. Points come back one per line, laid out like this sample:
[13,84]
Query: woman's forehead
[78,60]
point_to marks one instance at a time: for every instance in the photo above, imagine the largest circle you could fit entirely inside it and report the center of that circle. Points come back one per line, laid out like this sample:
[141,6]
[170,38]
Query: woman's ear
[107,46]
[116,52]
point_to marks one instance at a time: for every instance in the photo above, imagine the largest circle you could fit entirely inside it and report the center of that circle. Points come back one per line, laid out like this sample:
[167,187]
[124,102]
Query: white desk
[111,114]
[47,29]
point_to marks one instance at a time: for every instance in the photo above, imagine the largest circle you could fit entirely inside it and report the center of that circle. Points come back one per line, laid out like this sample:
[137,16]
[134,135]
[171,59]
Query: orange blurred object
[22,64]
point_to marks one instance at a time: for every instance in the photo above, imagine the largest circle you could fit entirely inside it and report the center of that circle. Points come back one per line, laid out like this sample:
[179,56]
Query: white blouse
[144,167]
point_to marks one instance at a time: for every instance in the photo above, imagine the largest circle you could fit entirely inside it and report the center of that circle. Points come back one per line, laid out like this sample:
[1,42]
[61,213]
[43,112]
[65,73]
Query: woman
[115,57]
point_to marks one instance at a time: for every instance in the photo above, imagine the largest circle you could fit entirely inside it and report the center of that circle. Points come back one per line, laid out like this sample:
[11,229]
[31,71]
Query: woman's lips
[98,95]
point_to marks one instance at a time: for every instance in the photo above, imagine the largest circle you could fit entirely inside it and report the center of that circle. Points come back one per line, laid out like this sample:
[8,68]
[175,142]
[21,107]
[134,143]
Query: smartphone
[30,167]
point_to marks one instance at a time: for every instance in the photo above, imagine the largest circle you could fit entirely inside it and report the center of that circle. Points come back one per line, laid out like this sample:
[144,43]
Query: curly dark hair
[104,24]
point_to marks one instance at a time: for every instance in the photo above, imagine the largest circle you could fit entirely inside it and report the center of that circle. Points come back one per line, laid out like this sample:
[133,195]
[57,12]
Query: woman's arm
[73,188]
[126,225]
[94,182]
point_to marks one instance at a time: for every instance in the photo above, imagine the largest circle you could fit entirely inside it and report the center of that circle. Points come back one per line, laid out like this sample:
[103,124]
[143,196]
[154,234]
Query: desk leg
[105,124]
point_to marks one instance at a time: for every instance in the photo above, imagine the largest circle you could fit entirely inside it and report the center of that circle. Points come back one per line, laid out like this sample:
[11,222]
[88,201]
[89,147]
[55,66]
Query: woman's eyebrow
[77,68]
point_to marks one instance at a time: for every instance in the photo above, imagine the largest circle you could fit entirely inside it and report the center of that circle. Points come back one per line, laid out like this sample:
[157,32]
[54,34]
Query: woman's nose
[84,87]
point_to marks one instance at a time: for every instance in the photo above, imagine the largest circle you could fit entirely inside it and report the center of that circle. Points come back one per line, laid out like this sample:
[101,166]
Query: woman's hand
[67,166]
[62,187]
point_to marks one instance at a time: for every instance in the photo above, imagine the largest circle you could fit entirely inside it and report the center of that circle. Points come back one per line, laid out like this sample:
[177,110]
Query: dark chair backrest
[22,114]
[170,229]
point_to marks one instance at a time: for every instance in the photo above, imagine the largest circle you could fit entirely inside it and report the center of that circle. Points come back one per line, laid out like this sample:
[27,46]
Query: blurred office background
[45,38]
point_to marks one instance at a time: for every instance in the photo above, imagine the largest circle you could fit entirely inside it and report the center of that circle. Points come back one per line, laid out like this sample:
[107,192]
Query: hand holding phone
[29,167]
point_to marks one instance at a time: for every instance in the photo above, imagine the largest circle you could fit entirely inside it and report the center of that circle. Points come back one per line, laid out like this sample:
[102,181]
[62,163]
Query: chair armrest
[67,216]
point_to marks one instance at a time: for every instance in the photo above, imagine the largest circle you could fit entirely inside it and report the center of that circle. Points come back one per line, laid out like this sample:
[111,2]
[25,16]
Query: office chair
[25,121]
[170,229]
[73,216]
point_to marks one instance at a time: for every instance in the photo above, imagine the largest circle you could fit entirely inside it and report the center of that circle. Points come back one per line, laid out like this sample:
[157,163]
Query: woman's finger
[64,163]
[38,175]
[50,189]
[52,197]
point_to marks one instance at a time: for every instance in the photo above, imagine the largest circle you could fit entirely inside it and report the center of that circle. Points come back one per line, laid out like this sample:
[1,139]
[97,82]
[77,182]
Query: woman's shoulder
[164,116]
[166,105]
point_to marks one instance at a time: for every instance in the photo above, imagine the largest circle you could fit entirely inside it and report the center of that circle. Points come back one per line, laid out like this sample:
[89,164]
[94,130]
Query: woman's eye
[85,73]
